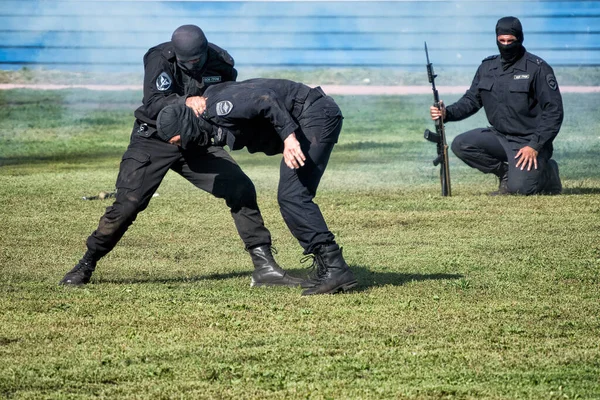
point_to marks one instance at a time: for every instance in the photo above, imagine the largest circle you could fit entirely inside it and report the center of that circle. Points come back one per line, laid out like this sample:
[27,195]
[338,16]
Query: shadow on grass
[367,278]
[581,190]
[176,279]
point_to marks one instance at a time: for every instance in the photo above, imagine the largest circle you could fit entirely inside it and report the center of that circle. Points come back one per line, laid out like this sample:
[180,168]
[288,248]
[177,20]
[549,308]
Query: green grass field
[468,297]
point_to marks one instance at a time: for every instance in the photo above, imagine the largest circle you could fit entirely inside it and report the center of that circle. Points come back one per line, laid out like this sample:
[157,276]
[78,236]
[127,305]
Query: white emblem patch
[551,80]
[163,82]
[224,107]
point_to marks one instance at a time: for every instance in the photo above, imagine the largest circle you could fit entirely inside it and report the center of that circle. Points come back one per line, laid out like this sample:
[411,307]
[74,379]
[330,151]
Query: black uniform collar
[520,64]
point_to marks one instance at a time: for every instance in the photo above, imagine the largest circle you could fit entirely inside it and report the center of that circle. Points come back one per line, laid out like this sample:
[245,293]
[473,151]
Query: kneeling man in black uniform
[522,102]
[276,116]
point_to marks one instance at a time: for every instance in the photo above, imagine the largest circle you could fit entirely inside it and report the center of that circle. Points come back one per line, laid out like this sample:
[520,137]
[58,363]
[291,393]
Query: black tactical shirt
[165,83]
[258,113]
[524,100]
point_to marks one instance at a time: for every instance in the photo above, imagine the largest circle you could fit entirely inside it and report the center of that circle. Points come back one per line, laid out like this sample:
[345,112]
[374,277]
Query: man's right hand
[197,104]
[438,112]
[292,152]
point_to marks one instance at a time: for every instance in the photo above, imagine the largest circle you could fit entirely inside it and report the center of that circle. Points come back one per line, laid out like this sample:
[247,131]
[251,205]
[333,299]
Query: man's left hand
[527,157]
[197,104]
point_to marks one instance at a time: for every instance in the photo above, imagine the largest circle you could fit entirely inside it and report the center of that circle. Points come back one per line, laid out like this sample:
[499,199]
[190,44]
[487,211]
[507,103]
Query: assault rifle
[439,136]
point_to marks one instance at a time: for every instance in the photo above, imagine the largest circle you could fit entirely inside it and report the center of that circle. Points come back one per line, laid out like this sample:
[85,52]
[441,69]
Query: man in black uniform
[178,72]
[277,116]
[522,102]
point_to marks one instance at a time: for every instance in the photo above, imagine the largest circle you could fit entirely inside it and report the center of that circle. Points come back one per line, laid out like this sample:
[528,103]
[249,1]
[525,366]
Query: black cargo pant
[486,150]
[143,167]
[320,127]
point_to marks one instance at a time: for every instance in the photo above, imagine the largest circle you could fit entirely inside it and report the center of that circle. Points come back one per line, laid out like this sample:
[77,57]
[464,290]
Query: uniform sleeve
[468,104]
[159,85]
[228,71]
[550,101]
[266,105]
[225,65]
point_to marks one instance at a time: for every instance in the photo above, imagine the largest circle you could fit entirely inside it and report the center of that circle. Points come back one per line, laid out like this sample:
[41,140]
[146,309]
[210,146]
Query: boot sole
[344,287]
[273,284]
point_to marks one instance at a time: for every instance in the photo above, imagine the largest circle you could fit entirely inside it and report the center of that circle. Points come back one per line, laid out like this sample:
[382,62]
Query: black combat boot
[553,184]
[267,272]
[316,270]
[502,175]
[82,272]
[333,274]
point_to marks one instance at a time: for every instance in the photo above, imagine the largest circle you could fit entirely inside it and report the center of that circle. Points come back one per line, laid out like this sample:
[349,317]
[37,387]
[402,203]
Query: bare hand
[527,157]
[176,140]
[438,112]
[197,104]
[292,153]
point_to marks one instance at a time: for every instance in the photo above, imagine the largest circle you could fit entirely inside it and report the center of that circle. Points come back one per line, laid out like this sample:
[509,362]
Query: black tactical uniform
[260,114]
[148,159]
[263,113]
[523,105]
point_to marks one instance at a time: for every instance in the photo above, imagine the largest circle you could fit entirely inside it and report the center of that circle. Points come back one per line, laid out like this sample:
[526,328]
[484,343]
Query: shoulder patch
[490,58]
[168,52]
[551,81]
[535,59]
[163,82]
[224,107]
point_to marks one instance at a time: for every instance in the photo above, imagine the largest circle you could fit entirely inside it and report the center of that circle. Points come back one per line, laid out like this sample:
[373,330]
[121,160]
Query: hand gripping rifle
[439,136]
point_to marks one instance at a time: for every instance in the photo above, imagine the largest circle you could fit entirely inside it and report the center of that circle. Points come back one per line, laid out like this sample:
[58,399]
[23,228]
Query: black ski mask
[191,49]
[510,53]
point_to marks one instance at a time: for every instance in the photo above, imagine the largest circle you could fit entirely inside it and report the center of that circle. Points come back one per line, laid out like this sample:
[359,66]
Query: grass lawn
[467,297]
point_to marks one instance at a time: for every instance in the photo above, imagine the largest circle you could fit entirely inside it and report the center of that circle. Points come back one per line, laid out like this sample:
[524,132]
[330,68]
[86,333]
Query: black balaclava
[178,119]
[190,44]
[510,53]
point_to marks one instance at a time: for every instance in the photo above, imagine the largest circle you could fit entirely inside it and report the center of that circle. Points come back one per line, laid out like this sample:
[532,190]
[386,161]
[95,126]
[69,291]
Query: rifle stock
[439,136]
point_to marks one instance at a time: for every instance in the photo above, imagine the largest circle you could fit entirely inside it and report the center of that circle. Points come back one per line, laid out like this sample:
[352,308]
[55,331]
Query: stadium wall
[114,35]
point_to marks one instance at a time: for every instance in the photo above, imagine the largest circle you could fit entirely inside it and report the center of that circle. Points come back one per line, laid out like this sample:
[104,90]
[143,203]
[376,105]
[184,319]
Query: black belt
[313,95]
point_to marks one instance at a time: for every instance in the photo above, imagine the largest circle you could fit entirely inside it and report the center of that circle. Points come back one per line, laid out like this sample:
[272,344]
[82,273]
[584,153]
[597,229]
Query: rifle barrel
[440,135]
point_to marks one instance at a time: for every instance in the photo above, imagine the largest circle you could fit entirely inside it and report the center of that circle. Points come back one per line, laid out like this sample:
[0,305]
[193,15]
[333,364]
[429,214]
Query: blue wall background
[114,35]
